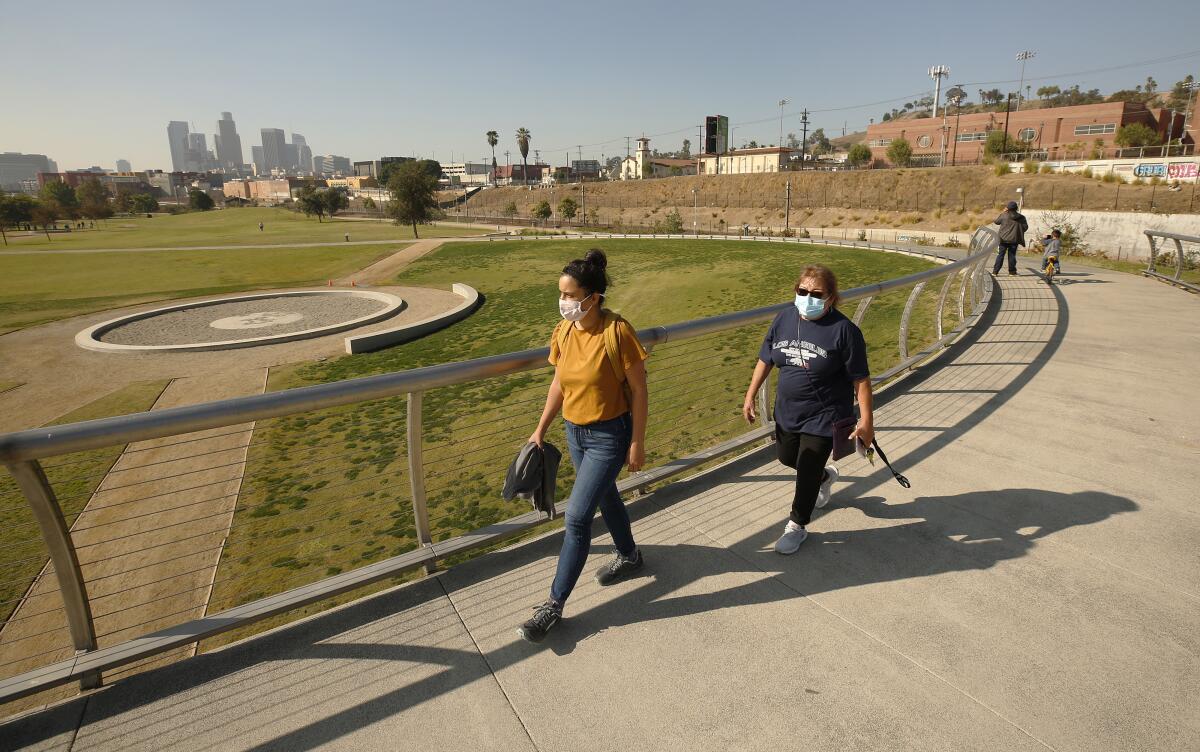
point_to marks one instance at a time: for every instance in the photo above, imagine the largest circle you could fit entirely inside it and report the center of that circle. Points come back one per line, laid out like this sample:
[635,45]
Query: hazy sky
[89,83]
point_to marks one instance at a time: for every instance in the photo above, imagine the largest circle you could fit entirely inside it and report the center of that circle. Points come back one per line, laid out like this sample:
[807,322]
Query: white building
[468,173]
[644,165]
[747,161]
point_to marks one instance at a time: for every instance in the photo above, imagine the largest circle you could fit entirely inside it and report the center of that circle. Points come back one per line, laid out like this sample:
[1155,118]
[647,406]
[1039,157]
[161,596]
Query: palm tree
[523,136]
[493,139]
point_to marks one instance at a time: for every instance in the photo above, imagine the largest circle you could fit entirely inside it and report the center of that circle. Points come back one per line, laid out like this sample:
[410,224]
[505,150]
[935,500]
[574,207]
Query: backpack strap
[612,346]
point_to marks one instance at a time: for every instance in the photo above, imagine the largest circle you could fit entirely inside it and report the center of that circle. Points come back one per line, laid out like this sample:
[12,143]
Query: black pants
[808,455]
[1011,249]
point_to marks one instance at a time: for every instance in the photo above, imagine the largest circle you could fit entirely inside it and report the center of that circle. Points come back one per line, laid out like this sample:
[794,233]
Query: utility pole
[787,212]
[937,73]
[803,138]
[1007,110]
[695,210]
[627,147]
[1022,57]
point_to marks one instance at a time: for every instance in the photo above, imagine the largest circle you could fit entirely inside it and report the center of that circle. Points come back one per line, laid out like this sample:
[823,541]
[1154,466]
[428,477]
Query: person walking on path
[1013,227]
[822,360]
[600,387]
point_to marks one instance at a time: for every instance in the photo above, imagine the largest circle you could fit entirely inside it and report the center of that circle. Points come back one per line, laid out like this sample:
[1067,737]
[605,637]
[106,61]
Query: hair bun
[596,256]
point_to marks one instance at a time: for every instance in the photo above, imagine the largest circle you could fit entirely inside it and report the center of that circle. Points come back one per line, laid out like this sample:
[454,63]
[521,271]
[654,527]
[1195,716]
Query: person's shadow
[938,535]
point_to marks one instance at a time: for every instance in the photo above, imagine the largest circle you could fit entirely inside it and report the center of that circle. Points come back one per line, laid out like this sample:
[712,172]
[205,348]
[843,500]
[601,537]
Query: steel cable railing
[341,485]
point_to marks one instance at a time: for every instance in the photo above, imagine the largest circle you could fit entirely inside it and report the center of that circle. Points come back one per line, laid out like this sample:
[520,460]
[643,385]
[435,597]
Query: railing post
[31,479]
[861,312]
[1153,253]
[416,473]
[1178,258]
[942,302]
[762,401]
[904,318]
[962,295]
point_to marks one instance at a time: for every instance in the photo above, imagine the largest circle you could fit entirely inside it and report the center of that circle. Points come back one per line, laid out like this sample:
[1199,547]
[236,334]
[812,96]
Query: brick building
[1058,132]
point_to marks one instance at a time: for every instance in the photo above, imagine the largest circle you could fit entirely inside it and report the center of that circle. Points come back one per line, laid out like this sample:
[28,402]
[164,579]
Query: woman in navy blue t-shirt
[822,362]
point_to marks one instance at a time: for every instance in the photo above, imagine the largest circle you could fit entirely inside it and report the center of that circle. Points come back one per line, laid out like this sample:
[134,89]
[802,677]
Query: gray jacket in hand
[533,474]
[1013,227]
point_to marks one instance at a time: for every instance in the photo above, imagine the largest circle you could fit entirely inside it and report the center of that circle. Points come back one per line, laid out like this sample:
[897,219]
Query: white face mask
[572,310]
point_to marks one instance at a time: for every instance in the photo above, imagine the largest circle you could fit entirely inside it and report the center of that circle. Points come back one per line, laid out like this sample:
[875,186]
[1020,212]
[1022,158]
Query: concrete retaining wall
[379,340]
[1116,233]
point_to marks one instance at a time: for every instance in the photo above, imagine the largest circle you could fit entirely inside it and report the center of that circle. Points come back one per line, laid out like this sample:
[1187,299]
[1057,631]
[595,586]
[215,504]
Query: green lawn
[41,287]
[226,227]
[329,491]
[74,478]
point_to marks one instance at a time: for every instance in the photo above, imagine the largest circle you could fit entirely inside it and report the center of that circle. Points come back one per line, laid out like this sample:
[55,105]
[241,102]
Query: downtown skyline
[589,88]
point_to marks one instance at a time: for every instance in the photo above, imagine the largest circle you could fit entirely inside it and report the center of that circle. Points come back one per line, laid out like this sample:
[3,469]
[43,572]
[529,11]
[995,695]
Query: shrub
[673,223]
[1087,172]
[788,233]
[862,234]
[1002,168]
[1046,169]
[1029,167]
[805,233]
[899,152]
[952,242]
[858,155]
[1111,177]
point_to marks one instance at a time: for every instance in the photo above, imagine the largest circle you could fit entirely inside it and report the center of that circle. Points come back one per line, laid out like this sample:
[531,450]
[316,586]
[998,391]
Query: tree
[858,155]
[1136,135]
[123,201]
[63,197]
[542,211]
[43,214]
[335,200]
[93,200]
[1178,100]
[1151,85]
[310,202]
[686,151]
[144,203]
[369,203]
[412,189]
[1128,95]
[673,222]
[819,143]
[198,199]
[887,116]
[523,137]
[997,143]
[568,208]
[493,138]
[15,210]
[510,209]
[752,145]
[791,141]
[899,152]
[1046,93]
[432,168]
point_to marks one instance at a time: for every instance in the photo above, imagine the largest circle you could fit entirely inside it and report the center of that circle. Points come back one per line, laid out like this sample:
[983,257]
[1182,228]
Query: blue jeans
[598,451]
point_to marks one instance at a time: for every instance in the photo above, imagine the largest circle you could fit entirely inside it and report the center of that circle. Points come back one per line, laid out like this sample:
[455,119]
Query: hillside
[945,199]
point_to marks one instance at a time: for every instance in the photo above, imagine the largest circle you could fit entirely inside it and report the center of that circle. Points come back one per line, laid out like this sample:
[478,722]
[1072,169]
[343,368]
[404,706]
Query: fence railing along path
[305,476]
[1187,254]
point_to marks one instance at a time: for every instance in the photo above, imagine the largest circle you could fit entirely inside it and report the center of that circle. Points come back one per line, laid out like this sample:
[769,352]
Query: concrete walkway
[1037,588]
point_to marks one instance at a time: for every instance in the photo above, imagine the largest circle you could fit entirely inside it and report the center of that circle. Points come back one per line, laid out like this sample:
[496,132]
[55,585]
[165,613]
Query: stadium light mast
[782,103]
[1022,57]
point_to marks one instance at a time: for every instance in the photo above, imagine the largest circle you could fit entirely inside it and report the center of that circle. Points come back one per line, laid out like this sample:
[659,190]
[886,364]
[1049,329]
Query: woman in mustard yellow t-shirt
[606,429]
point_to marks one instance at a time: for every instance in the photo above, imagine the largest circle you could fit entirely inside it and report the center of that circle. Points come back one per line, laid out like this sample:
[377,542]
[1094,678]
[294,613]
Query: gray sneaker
[789,542]
[544,618]
[831,476]
[619,568]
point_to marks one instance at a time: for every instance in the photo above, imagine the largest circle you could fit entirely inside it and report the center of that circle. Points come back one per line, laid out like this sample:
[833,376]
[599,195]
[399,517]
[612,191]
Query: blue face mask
[810,307]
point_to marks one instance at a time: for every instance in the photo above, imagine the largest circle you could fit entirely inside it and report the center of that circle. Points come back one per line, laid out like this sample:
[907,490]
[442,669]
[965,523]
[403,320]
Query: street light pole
[695,210]
[1022,57]
[787,212]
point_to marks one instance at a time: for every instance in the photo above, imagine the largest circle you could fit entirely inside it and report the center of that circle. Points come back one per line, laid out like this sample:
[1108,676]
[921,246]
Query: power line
[1168,59]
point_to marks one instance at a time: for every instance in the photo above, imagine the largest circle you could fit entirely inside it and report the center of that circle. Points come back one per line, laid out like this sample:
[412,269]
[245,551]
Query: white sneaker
[831,476]
[789,542]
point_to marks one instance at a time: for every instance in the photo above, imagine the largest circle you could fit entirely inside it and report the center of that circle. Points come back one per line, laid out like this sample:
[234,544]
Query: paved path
[1037,588]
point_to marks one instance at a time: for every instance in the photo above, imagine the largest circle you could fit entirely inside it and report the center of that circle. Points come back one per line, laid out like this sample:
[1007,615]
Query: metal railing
[310,470]
[1187,256]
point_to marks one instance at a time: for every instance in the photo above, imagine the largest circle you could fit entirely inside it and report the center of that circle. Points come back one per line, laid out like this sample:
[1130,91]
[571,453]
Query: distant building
[177,139]
[331,165]
[18,172]
[1056,132]
[352,183]
[643,164]
[303,153]
[124,166]
[375,168]
[748,161]
[228,144]
[588,168]
[515,174]
[258,160]
[275,152]
[467,173]
[274,190]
